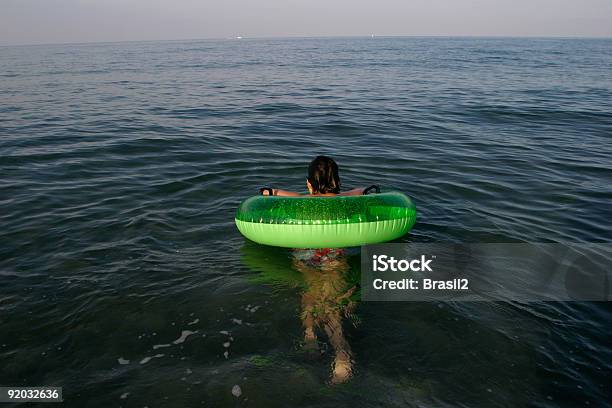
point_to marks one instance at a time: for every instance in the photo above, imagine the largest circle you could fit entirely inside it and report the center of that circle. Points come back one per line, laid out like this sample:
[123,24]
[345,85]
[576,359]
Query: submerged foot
[342,369]
[311,345]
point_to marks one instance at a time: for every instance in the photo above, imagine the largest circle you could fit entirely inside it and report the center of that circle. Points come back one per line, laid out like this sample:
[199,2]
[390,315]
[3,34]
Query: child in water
[326,298]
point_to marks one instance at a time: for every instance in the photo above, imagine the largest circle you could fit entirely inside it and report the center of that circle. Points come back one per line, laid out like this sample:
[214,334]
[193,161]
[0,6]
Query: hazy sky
[52,21]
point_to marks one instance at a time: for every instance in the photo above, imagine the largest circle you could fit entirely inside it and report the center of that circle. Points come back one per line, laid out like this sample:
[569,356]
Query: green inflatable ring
[326,222]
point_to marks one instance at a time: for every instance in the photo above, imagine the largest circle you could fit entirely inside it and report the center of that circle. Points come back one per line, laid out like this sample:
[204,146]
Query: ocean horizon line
[322,37]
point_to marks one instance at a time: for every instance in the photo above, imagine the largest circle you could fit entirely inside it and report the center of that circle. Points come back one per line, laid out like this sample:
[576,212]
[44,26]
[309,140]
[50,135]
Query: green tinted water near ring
[310,210]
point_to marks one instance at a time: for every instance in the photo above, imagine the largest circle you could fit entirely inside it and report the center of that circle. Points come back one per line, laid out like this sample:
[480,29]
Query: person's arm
[280,193]
[355,191]
[285,193]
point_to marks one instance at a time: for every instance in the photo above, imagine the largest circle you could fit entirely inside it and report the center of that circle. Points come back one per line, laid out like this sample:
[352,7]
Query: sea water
[122,164]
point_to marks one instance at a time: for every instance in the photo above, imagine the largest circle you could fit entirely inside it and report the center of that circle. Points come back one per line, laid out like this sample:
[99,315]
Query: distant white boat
[239,38]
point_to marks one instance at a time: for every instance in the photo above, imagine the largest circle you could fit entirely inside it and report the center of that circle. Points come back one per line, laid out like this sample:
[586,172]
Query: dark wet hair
[323,175]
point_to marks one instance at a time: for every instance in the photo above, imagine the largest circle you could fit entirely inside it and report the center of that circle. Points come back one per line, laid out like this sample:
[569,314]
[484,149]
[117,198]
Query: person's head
[323,176]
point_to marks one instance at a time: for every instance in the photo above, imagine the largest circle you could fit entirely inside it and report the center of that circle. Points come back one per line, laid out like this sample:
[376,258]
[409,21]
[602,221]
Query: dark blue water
[122,274]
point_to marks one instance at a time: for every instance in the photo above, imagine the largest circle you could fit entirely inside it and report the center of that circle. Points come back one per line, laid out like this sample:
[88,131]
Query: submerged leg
[308,322]
[342,367]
